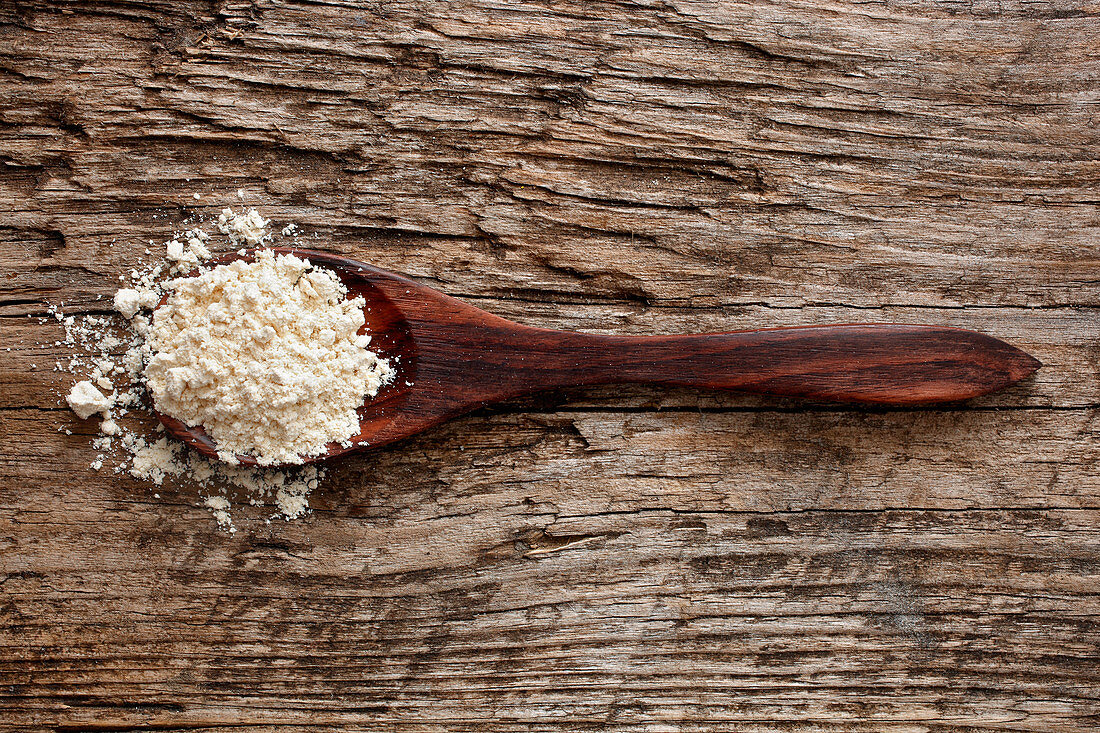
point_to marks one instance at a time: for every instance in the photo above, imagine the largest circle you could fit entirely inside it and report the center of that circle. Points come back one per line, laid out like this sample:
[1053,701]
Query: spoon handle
[881,363]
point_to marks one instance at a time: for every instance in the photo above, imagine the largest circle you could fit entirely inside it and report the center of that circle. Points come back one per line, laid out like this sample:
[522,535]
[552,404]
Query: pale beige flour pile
[266,356]
[114,383]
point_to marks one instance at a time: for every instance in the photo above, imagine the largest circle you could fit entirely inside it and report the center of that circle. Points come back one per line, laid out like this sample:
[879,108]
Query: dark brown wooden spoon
[452,358]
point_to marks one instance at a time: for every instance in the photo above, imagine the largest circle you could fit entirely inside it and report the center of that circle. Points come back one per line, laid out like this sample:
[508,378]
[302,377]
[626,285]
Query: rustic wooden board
[603,559]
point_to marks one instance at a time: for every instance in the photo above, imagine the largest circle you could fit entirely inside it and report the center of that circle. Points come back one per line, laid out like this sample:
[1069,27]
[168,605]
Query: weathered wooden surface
[597,559]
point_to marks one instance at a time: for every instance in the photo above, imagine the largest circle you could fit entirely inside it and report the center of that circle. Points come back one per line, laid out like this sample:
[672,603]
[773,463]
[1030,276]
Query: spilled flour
[265,355]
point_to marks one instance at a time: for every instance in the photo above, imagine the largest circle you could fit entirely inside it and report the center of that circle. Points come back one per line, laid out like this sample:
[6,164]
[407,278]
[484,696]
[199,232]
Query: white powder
[197,245]
[181,257]
[174,250]
[129,301]
[86,400]
[291,503]
[249,228]
[219,507]
[265,356]
[124,440]
[155,461]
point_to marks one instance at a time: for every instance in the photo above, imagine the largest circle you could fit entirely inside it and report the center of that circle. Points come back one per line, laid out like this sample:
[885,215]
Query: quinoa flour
[265,355]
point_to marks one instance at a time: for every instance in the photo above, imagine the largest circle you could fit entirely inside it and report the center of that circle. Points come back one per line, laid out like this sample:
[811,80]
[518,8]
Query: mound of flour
[266,356]
[111,356]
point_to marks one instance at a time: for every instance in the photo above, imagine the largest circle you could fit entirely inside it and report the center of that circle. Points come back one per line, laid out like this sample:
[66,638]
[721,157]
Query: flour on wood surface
[85,400]
[238,323]
[248,228]
[219,507]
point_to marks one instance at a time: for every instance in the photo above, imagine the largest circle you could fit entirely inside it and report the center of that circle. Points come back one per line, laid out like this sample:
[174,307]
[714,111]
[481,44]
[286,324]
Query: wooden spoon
[451,358]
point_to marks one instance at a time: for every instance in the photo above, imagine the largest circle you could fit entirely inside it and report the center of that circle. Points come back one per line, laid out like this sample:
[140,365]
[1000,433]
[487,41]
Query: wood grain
[611,558]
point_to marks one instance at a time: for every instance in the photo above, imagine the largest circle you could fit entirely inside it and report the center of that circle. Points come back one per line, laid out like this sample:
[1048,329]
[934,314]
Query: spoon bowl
[391,338]
[450,358]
